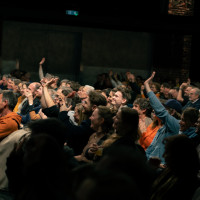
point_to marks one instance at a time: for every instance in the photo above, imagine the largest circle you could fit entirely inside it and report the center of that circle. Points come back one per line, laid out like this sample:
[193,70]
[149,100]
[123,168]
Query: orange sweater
[147,137]
[9,123]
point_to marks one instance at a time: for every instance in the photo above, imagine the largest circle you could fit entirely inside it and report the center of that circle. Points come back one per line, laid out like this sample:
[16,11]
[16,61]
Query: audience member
[6,146]
[135,88]
[101,123]
[79,116]
[125,124]
[83,93]
[164,91]
[130,163]
[144,111]
[183,93]
[179,179]
[194,100]
[169,113]
[174,92]
[22,98]
[121,97]
[77,136]
[147,137]
[188,120]
[4,81]
[9,120]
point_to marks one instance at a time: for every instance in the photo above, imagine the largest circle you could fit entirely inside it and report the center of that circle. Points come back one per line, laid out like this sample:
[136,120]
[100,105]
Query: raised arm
[146,83]
[48,99]
[41,73]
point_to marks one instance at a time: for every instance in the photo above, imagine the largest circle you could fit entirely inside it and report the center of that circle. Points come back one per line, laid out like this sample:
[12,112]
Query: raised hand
[42,61]
[146,83]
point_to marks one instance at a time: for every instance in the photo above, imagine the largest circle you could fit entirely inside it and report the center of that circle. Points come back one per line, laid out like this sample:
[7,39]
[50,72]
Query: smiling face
[87,108]
[96,120]
[183,124]
[118,99]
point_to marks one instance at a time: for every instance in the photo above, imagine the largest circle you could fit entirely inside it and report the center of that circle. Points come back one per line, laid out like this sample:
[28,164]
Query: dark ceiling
[141,15]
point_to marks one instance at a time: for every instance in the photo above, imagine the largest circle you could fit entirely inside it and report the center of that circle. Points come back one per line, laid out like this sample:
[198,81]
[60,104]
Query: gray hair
[10,97]
[197,91]
[88,88]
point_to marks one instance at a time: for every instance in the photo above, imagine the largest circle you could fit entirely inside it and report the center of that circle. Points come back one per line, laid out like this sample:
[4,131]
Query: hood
[13,116]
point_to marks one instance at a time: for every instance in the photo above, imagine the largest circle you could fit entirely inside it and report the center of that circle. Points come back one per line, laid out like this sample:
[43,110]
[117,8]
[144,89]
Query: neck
[5,112]
[99,134]
[142,116]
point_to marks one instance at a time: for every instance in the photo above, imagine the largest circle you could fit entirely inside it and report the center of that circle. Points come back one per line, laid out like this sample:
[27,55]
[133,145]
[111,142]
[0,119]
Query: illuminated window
[181,7]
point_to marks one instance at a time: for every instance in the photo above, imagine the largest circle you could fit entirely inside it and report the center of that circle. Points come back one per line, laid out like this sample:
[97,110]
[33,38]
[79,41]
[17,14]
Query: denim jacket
[170,127]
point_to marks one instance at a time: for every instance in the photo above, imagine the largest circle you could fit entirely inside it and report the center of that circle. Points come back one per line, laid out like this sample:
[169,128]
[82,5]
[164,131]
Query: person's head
[155,87]
[65,83]
[78,113]
[5,78]
[143,106]
[15,87]
[24,85]
[84,91]
[110,96]
[102,119]
[108,185]
[33,87]
[8,101]
[187,90]
[188,118]
[164,88]
[173,107]
[121,97]
[64,90]
[106,92]
[126,122]
[38,91]
[10,83]
[93,100]
[49,126]
[181,155]
[194,94]
[174,92]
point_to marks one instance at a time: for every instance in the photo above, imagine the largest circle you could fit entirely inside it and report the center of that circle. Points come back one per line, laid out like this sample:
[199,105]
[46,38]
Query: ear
[5,102]
[144,111]
[124,101]
[94,107]
[173,112]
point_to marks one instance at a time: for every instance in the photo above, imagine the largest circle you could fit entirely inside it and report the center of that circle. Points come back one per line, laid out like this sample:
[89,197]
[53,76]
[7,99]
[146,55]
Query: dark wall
[65,48]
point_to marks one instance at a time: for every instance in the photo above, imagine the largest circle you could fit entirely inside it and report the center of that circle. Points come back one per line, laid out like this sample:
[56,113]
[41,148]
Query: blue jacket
[170,127]
[190,132]
[193,105]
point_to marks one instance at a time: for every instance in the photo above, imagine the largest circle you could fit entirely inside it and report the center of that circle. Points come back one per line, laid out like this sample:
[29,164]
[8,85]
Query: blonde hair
[82,116]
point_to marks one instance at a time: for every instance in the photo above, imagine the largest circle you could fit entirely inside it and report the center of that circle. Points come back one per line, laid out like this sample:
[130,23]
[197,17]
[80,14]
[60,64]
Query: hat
[174,104]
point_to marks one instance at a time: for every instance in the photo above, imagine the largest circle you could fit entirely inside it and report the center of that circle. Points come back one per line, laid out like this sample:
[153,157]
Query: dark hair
[108,115]
[10,97]
[49,126]
[126,93]
[190,116]
[97,98]
[130,122]
[144,105]
[181,155]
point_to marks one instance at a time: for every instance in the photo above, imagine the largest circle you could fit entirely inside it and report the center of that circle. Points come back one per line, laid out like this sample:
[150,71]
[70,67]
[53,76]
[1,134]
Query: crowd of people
[123,137]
